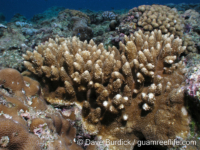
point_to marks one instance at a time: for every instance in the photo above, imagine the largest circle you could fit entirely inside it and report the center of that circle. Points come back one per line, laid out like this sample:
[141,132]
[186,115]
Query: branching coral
[132,93]
[187,41]
[149,17]
[160,17]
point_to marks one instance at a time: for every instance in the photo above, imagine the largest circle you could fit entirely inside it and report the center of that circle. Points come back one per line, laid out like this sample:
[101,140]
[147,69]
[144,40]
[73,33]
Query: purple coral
[108,15]
[193,77]
[193,82]
[116,39]
[188,28]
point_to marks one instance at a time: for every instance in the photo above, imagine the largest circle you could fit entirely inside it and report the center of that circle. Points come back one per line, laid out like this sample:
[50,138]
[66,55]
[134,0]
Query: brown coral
[23,109]
[73,13]
[160,17]
[18,136]
[125,93]
[187,41]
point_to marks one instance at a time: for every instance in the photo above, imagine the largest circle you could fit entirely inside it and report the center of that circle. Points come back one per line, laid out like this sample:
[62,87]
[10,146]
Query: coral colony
[97,80]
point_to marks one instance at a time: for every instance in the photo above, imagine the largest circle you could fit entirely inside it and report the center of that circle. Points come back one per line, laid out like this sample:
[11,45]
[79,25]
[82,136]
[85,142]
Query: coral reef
[61,22]
[15,136]
[81,29]
[150,17]
[48,14]
[22,24]
[9,43]
[108,15]
[136,92]
[133,90]
[12,45]
[190,44]
[28,31]
[18,17]
[12,59]
[192,92]
[95,17]
[73,13]
[12,38]
[128,22]
[18,36]
[26,121]
[192,21]
[3,26]
[117,38]
[113,24]
[101,32]
[184,6]
[161,17]
[193,76]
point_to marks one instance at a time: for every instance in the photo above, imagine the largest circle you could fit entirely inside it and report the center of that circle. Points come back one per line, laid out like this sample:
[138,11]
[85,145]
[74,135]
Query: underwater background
[28,8]
[99,75]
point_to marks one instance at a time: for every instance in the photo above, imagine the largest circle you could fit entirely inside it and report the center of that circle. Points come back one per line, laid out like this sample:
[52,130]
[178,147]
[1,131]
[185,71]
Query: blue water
[28,8]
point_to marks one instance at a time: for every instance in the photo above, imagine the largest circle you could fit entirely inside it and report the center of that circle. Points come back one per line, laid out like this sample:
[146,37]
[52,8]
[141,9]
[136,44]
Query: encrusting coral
[132,93]
[27,122]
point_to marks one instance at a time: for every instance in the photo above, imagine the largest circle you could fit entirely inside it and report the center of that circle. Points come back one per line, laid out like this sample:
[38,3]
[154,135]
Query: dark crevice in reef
[193,107]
